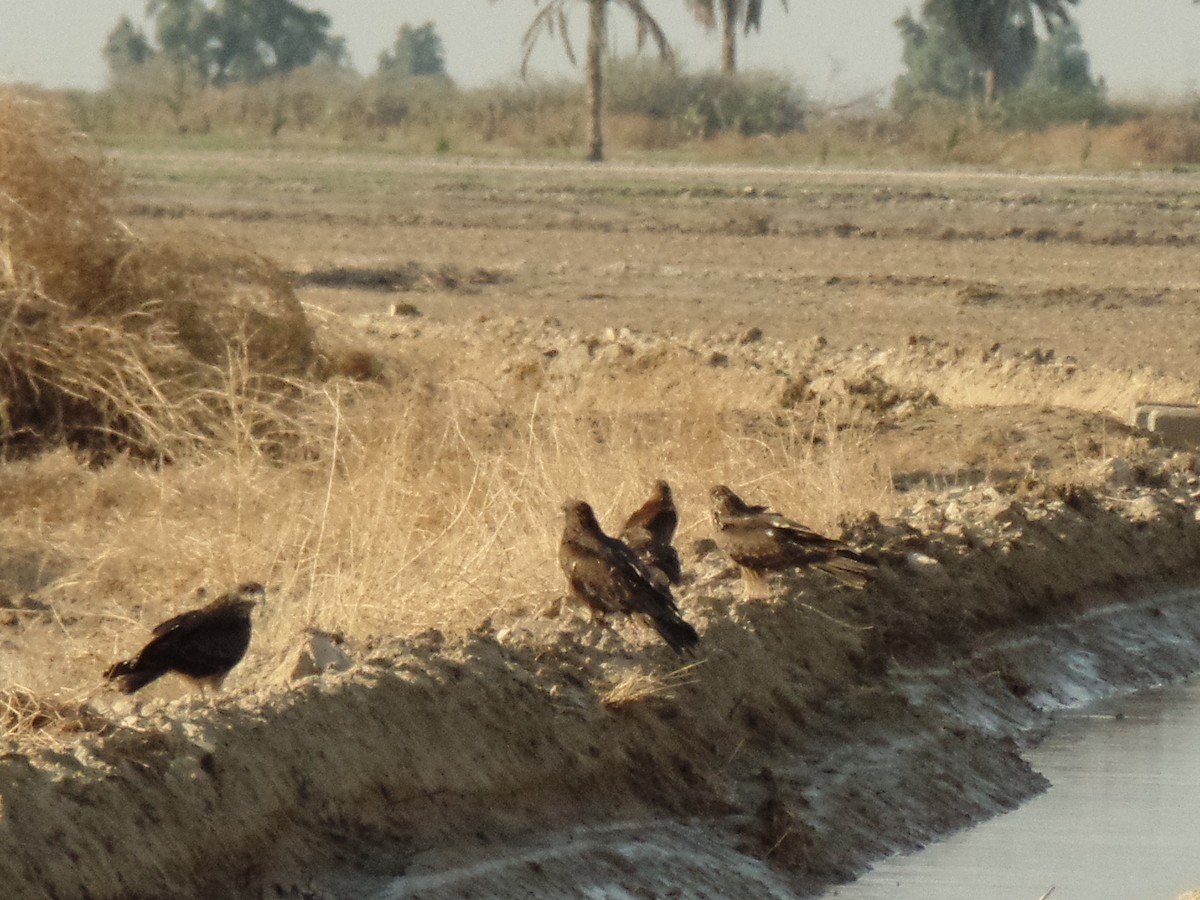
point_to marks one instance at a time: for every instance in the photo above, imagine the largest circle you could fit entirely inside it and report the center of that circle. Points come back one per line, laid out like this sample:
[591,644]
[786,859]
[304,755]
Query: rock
[751,336]
[407,310]
[1145,509]
[610,353]
[321,652]
[921,561]
[1173,425]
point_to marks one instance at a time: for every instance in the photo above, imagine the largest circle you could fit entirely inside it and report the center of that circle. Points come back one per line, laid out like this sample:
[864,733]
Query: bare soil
[981,336]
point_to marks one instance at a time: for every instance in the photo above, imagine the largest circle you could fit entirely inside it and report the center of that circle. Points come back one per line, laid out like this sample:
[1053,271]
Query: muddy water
[1121,821]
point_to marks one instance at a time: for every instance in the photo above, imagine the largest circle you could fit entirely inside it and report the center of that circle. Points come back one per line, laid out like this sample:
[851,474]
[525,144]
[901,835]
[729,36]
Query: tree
[936,65]
[730,13]
[1060,86]
[182,30]
[416,51]
[126,47]
[1048,82]
[552,17]
[242,40]
[1063,64]
[255,39]
[996,31]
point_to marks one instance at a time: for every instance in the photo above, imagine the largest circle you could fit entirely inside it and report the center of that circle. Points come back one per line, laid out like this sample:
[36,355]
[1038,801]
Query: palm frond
[647,26]
[547,18]
[753,16]
[566,35]
[1054,12]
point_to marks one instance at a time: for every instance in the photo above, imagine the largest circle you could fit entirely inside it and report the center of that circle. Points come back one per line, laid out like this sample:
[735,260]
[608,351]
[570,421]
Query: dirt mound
[112,342]
[451,749]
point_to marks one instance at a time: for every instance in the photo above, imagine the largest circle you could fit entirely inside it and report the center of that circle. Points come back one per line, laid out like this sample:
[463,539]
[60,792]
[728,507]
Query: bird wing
[588,574]
[609,576]
[658,556]
[794,534]
[639,588]
[769,540]
[182,623]
[198,641]
[654,517]
[766,540]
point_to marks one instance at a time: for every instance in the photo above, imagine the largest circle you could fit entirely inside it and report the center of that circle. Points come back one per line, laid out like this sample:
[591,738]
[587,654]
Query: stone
[321,652]
[1173,425]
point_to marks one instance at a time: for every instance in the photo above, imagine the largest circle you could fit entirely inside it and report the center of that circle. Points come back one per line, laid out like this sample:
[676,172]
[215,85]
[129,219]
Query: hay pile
[113,343]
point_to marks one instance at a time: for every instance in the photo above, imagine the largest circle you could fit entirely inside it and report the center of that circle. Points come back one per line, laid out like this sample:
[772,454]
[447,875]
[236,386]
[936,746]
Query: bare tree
[551,19]
[730,14]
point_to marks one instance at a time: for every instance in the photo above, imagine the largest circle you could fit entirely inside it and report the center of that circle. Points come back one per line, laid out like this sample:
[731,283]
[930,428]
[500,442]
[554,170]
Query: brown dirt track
[978,337]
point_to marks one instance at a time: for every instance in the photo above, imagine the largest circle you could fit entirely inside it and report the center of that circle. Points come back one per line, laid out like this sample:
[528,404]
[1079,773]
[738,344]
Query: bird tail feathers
[676,632]
[129,677]
[850,568]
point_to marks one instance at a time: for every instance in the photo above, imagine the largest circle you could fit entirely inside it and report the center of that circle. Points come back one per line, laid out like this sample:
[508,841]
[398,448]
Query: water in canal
[1121,822]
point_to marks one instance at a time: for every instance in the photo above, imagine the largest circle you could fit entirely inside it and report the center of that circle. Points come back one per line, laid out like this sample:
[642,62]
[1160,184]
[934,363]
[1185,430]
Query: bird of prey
[761,541]
[202,644]
[610,578]
[650,530]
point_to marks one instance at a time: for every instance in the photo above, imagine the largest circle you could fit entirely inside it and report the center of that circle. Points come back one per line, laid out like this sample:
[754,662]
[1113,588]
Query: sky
[837,49]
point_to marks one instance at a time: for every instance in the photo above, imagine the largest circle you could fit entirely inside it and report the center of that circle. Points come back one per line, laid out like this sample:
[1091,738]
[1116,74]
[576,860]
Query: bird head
[252,592]
[662,491]
[725,501]
[580,515]
[244,597]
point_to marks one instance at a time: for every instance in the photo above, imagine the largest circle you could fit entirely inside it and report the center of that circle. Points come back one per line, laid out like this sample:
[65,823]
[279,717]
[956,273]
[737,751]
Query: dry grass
[638,687]
[38,721]
[423,504]
[109,342]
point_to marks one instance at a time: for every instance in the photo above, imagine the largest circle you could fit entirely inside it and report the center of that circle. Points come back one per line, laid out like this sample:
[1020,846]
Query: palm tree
[730,13]
[552,16]
[992,29]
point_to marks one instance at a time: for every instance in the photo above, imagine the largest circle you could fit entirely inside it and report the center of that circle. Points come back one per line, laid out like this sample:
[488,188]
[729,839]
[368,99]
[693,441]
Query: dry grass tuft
[109,342]
[638,687]
[39,721]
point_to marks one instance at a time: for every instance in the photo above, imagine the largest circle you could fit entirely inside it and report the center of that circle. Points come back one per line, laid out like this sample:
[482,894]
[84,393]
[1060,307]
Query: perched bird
[761,541]
[610,578]
[650,531]
[202,645]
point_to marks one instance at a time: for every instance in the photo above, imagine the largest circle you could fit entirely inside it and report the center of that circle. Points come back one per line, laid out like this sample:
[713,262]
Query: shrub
[109,342]
[705,103]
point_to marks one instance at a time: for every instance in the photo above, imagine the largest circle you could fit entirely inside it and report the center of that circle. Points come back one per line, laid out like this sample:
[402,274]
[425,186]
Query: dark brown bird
[202,644]
[761,541]
[650,531]
[610,578]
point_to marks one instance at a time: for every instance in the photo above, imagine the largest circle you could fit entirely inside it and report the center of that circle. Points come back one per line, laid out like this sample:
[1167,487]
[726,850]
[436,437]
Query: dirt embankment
[812,734]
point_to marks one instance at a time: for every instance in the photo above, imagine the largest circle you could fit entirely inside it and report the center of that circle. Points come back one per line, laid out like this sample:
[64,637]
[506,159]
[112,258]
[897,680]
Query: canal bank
[817,732]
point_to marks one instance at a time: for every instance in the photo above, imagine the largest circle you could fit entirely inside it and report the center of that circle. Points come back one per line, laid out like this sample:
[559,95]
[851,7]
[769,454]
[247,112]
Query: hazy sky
[836,48]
